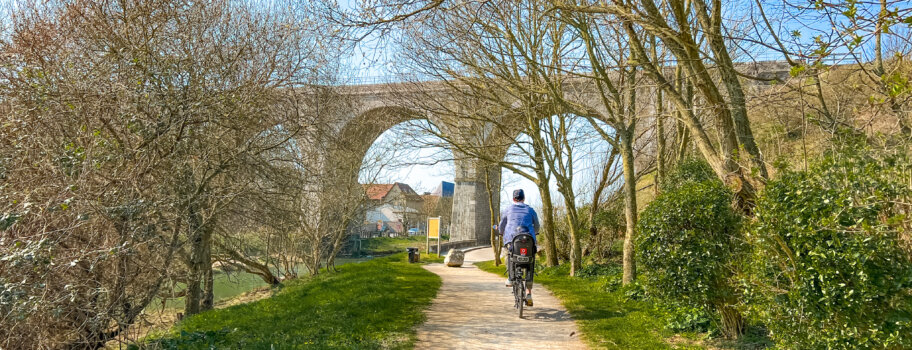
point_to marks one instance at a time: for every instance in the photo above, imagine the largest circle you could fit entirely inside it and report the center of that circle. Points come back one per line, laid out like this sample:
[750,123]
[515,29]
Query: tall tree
[679,26]
[124,119]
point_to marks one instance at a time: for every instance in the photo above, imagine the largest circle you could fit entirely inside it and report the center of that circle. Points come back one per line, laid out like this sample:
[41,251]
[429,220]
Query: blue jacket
[518,214]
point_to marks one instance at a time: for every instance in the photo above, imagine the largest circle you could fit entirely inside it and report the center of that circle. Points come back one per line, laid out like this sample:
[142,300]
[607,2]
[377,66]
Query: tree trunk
[630,204]
[576,255]
[316,259]
[732,322]
[250,265]
[547,205]
[550,242]
[331,263]
[736,106]
[496,240]
[206,265]
[193,300]
[660,143]
[659,126]
[722,161]
[686,88]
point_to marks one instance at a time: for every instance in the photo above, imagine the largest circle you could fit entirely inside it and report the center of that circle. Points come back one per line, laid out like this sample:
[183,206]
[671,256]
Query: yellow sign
[433,228]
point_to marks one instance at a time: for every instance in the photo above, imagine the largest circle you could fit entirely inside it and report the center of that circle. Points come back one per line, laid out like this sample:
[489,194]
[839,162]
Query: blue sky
[404,154]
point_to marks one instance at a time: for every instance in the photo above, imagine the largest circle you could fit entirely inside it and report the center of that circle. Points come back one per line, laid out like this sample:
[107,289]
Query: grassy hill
[370,305]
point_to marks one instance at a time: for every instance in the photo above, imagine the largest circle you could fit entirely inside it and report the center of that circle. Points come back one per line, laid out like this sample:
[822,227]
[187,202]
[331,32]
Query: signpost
[433,231]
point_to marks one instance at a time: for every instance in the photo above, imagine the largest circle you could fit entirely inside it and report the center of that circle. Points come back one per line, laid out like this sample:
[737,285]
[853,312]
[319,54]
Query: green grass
[371,305]
[606,318]
[226,286]
[387,245]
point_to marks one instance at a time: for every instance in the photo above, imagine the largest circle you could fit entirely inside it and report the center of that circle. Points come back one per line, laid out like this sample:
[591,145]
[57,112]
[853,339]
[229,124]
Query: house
[393,209]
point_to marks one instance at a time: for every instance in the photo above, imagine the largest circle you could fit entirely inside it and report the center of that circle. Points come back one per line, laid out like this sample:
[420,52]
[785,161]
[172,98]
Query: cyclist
[517,219]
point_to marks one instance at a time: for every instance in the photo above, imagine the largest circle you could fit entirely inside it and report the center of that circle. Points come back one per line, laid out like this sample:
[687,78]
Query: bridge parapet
[445,247]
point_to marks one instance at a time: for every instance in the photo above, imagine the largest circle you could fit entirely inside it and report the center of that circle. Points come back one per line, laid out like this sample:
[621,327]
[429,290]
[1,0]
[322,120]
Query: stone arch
[474,208]
[359,133]
[471,216]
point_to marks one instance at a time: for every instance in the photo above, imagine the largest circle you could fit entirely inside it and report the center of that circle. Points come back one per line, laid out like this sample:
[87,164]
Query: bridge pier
[472,215]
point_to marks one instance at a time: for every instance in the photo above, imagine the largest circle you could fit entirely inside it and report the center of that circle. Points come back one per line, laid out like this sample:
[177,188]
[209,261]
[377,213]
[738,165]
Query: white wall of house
[389,212]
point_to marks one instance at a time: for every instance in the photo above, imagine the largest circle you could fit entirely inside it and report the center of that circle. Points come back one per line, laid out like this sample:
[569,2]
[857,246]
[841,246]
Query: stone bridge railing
[445,247]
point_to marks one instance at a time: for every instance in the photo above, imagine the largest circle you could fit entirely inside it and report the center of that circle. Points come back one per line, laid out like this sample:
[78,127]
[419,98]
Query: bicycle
[520,262]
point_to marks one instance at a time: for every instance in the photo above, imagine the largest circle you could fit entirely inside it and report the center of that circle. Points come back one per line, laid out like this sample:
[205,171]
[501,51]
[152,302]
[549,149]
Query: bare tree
[126,121]
[474,57]
[680,27]
[828,62]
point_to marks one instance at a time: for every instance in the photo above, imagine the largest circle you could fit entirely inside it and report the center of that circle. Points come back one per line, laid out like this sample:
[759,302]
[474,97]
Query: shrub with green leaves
[830,268]
[688,170]
[687,318]
[687,242]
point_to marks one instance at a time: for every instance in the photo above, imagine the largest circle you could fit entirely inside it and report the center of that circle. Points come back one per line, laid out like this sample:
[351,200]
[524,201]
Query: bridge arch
[472,210]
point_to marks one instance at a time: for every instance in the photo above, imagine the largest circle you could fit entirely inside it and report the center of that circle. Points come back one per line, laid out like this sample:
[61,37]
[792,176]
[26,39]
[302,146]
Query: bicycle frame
[518,277]
[520,263]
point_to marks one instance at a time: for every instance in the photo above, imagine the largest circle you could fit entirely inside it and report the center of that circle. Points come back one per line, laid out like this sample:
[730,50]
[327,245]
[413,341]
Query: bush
[829,268]
[606,244]
[687,319]
[688,238]
[688,170]
[591,269]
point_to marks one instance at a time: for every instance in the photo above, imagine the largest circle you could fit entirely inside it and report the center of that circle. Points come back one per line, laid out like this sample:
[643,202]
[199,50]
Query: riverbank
[375,304]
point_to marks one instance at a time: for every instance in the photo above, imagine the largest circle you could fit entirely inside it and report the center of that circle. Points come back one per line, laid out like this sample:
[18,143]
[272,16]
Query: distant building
[445,189]
[394,208]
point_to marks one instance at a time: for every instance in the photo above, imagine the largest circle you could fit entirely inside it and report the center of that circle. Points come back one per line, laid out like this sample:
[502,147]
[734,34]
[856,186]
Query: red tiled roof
[377,191]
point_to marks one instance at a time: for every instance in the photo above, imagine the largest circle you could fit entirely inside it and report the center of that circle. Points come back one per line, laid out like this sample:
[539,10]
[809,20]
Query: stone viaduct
[375,107]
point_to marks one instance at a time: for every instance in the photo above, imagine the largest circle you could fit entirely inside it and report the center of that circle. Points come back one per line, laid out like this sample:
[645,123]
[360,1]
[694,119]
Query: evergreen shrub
[688,170]
[830,266]
[688,239]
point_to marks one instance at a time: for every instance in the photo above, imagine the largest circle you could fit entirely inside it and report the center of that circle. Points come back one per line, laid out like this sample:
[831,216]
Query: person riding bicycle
[519,218]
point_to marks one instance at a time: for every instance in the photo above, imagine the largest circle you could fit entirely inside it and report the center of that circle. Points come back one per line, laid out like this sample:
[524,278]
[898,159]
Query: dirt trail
[474,310]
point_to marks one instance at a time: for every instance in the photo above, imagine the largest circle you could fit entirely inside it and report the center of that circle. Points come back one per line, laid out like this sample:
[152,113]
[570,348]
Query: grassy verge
[387,245]
[370,305]
[607,319]
[614,317]
[227,286]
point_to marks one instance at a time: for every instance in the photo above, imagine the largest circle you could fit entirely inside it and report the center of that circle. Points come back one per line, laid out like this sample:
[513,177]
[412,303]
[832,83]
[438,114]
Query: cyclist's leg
[510,268]
[527,283]
[530,274]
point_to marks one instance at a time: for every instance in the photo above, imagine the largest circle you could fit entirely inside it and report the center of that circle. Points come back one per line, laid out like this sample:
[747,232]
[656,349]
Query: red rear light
[523,251]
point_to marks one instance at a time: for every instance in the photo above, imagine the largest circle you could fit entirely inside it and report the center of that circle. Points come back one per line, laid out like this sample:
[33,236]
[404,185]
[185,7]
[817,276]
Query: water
[229,285]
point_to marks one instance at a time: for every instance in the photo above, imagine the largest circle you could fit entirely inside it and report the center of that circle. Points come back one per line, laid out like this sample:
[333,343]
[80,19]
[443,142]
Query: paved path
[474,310]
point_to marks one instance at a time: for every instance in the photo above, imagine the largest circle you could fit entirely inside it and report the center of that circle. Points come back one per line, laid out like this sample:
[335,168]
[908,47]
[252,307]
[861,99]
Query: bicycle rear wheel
[522,297]
[517,288]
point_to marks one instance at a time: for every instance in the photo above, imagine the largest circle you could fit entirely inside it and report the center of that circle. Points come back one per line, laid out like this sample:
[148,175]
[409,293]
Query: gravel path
[474,310]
